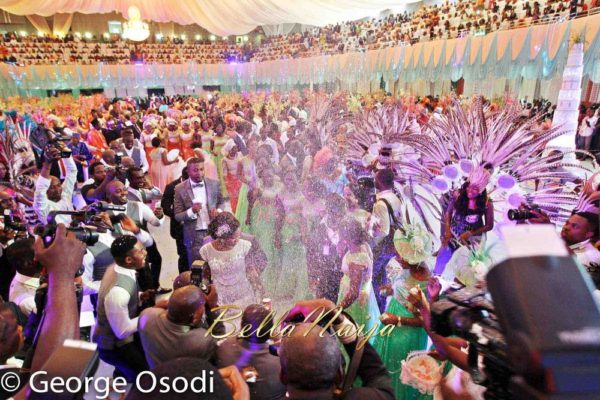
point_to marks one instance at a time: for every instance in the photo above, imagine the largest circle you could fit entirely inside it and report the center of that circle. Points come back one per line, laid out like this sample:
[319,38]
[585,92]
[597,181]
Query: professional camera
[522,214]
[58,143]
[88,233]
[468,313]
[201,276]
[118,159]
[10,223]
[534,345]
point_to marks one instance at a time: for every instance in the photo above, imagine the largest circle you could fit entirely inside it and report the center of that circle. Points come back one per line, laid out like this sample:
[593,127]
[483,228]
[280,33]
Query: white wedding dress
[228,269]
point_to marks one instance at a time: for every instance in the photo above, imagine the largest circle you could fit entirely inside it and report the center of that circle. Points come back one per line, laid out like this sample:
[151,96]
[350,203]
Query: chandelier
[135,29]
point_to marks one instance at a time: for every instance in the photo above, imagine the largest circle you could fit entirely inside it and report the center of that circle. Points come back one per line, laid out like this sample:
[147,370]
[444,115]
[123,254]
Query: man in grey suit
[197,201]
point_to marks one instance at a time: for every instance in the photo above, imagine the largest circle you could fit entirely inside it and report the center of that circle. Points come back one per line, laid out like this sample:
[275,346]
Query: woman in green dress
[262,227]
[290,234]
[247,175]
[406,270]
[356,296]
[219,141]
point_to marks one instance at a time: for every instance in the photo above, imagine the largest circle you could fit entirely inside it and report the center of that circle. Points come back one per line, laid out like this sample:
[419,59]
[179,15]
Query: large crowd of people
[446,21]
[297,200]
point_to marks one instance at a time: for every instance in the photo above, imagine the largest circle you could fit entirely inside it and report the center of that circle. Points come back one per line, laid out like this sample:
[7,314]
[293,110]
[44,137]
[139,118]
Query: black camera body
[539,340]
[524,214]
[10,223]
[84,233]
[469,314]
[201,276]
[58,143]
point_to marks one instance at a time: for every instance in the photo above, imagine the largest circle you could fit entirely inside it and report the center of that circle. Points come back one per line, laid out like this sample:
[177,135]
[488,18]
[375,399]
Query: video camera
[469,314]
[88,216]
[201,276]
[540,339]
[58,142]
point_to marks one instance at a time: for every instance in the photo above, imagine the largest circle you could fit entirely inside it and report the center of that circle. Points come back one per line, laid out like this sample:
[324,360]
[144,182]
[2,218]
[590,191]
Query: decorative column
[569,97]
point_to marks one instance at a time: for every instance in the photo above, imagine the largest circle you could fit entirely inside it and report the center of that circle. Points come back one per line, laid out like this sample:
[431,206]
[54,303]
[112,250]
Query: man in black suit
[167,203]
[197,201]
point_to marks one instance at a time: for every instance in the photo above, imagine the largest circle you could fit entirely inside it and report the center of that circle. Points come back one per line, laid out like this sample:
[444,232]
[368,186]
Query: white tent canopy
[221,17]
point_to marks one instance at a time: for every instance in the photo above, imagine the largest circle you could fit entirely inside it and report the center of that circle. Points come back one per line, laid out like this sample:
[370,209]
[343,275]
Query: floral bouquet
[421,371]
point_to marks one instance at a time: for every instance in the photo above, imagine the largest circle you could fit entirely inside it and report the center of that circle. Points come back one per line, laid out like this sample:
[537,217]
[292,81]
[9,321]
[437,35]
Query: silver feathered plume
[381,126]
[326,114]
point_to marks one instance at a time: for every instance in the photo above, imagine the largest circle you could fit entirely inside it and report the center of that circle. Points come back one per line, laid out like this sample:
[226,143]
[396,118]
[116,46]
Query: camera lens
[513,215]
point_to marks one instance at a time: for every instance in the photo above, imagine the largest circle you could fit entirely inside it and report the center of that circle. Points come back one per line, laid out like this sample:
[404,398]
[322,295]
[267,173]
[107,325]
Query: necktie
[198,185]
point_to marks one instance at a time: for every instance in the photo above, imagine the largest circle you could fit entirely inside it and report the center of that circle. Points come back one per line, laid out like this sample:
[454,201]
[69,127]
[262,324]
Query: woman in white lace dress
[226,256]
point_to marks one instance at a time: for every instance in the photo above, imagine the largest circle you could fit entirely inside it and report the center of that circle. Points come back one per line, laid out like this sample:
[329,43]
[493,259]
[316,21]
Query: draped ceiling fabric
[495,61]
[40,24]
[221,17]
[62,24]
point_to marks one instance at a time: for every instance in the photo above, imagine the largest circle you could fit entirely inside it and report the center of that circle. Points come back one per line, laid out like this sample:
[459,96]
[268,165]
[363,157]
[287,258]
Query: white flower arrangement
[413,243]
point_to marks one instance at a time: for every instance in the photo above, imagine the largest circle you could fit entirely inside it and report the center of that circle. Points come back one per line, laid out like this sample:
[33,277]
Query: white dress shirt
[43,205]
[145,167]
[146,215]
[115,306]
[22,292]
[586,253]
[90,286]
[202,217]
[381,214]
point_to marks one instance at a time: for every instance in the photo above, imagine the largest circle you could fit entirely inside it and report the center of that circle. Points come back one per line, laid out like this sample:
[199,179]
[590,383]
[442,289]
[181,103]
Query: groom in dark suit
[197,201]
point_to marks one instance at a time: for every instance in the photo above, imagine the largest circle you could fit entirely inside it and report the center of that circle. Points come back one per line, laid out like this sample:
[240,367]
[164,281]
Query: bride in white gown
[226,256]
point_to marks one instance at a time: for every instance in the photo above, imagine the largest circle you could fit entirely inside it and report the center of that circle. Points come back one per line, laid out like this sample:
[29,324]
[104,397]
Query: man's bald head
[109,156]
[309,361]
[255,315]
[116,192]
[186,305]
[127,162]
[183,279]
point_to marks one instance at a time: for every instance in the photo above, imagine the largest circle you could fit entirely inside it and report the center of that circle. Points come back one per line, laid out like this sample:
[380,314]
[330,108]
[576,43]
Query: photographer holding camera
[578,232]
[177,331]
[50,194]
[101,176]
[311,362]
[133,148]
[139,187]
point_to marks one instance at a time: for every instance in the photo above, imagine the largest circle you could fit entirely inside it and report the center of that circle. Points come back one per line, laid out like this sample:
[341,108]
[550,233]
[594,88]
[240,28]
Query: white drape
[280,29]
[221,17]
[39,23]
[62,24]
